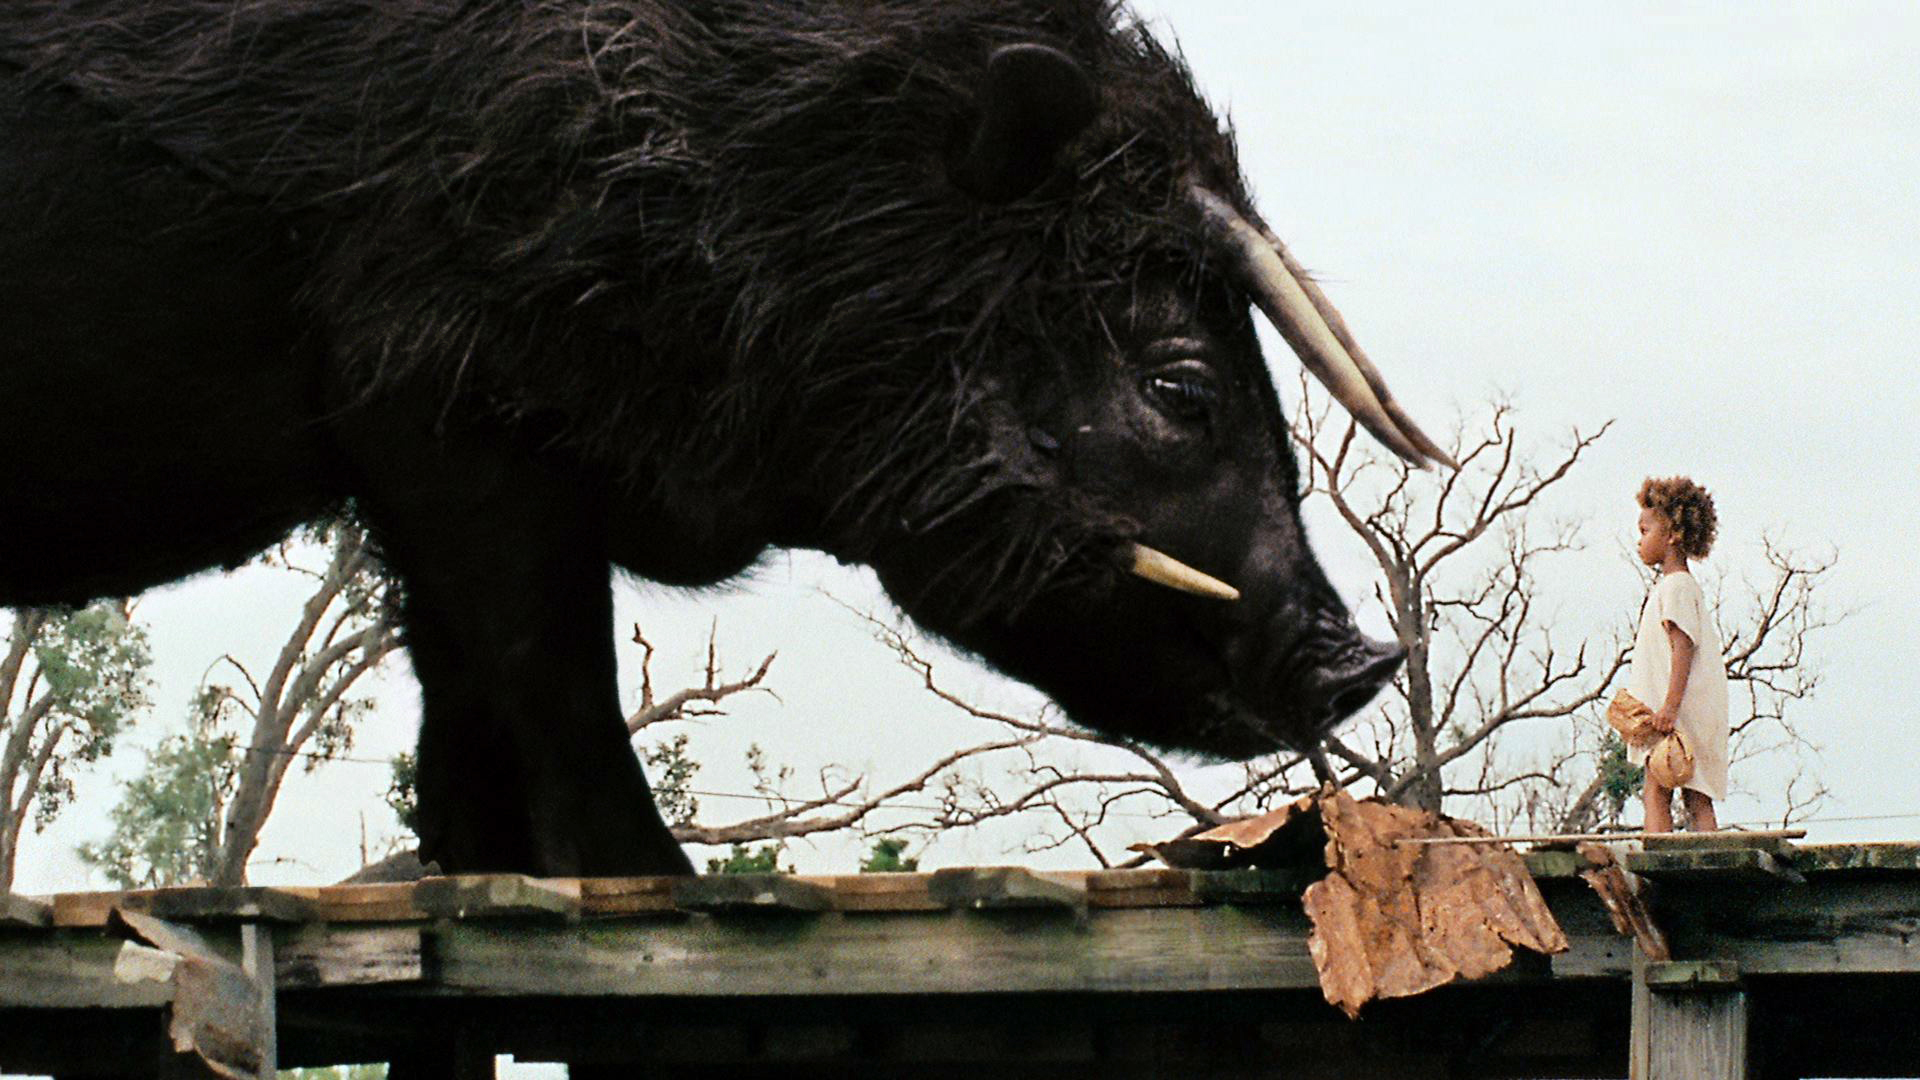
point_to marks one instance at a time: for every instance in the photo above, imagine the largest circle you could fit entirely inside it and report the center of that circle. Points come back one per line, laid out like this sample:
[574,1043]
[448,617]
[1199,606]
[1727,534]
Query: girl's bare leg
[1700,810]
[1659,804]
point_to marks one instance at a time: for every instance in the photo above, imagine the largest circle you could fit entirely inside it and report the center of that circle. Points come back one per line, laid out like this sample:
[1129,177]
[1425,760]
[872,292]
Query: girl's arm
[1682,646]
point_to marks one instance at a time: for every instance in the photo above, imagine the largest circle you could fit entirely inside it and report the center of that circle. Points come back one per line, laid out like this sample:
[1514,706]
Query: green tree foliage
[888,856]
[70,681]
[403,793]
[1619,778]
[672,772]
[166,829]
[764,859]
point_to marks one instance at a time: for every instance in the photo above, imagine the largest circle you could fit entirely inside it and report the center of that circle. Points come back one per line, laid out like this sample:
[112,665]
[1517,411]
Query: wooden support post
[256,959]
[1689,1022]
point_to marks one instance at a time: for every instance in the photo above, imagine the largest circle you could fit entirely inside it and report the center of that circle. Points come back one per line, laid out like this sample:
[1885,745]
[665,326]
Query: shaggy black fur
[544,284]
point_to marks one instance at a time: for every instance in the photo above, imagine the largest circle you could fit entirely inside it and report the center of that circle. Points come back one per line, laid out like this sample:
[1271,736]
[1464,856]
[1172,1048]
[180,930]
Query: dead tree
[1459,560]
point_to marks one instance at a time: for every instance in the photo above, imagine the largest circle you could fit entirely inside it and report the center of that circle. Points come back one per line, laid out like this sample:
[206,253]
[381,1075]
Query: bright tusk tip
[1303,315]
[1163,569]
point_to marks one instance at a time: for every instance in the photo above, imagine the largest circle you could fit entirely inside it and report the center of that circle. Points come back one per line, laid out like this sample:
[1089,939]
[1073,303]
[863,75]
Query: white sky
[1704,225]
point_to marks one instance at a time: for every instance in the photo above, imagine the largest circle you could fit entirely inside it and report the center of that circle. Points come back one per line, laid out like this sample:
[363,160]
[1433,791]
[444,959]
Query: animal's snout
[1353,677]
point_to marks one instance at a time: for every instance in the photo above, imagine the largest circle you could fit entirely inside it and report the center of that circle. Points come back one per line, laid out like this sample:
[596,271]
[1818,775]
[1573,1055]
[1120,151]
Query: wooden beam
[24,911]
[204,904]
[1689,1022]
[736,894]
[1254,886]
[1000,888]
[1721,866]
[257,963]
[494,896]
[834,954]
[70,970]
[1679,975]
[309,957]
[362,903]
[1776,841]
[1857,858]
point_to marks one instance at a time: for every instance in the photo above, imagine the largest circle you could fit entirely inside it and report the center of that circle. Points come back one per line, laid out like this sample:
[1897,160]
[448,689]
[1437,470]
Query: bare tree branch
[681,704]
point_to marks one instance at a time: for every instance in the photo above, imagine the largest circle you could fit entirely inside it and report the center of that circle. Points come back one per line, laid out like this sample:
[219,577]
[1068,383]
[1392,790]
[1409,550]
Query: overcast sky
[1703,225]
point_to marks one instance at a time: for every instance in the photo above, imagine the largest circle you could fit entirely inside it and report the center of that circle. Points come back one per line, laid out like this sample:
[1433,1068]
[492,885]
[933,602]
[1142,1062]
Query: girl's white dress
[1677,599]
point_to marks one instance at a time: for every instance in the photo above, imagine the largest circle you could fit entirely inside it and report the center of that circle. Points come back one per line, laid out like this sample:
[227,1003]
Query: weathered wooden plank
[1142,888]
[1603,955]
[626,896]
[1552,863]
[1686,975]
[362,903]
[1894,950]
[16,910]
[70,969]
[493,896]
[1697,1036]
[1002,888]
[80,909]
[734,894]
[1772,841]
[877,892]
[257,961]
[837,953]
[1742,866]
[198,904]
[1844,858]
[1254,886]
[348,955]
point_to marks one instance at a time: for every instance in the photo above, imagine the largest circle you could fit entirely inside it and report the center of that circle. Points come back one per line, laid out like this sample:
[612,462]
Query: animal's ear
[1035,100]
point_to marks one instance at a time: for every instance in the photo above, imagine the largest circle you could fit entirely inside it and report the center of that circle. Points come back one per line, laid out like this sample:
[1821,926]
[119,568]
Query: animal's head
[1094,487]
[964,290]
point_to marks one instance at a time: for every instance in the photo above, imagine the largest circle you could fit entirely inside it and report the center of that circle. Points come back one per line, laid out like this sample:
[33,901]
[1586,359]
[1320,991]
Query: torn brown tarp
[1390,919]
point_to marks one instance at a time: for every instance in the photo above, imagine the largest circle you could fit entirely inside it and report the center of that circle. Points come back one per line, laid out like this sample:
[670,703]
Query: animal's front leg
[524,759]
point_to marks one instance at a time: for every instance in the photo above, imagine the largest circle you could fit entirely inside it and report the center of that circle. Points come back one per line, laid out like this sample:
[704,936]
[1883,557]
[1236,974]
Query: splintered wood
[1392,919]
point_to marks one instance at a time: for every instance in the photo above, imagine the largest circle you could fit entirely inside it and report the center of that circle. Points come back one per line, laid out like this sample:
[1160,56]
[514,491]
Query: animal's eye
[1186,391]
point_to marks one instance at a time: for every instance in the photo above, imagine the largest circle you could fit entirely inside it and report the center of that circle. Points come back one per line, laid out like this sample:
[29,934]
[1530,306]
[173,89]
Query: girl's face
[1654,537]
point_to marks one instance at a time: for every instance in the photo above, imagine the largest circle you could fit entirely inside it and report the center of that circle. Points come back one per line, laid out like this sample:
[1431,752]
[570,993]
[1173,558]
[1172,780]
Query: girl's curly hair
[1688,510]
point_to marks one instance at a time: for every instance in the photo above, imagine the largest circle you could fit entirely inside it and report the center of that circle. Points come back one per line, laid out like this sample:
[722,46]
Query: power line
[319,755]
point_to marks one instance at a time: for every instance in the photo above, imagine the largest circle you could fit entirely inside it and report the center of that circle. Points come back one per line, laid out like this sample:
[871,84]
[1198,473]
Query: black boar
[956,288]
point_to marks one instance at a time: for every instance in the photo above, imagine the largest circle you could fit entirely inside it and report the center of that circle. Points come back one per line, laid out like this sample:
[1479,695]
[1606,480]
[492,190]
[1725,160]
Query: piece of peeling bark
[1392,919]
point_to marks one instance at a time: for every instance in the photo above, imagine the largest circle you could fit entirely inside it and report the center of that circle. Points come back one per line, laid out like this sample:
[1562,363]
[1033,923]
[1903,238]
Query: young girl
[1677,667]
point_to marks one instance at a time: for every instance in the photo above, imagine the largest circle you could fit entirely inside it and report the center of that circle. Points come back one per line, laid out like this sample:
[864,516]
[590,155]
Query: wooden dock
[1781,962]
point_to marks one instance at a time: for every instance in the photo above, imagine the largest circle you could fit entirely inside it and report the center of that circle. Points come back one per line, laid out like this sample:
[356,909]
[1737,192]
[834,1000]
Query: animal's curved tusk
[1338,325]
[1309,323]
[1163,569]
